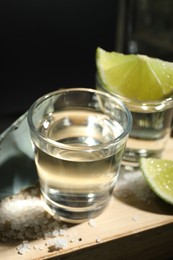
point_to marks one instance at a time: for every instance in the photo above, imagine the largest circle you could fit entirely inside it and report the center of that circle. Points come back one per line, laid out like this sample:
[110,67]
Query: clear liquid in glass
[77,183]
[148,136]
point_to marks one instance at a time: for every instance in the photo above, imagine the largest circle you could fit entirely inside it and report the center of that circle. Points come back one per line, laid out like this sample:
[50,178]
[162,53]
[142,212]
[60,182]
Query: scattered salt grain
[98,240]
[55,233]
[58,244]
[135,218]
[48,235]
[23,248]
[92,222]
[61,232]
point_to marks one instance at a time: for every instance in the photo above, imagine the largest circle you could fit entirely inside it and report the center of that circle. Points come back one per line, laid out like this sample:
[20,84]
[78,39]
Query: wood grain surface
[135,225]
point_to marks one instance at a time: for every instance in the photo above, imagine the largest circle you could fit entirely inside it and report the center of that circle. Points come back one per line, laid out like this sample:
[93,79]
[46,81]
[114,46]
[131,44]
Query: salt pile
[133,184]
[23,217]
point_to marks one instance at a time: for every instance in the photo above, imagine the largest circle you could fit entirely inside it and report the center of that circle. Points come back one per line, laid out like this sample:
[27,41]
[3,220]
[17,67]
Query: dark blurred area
[46,45]
[148,28]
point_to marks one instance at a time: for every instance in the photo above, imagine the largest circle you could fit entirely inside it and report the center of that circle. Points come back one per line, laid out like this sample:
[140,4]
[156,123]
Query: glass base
[73,214]
[131,157]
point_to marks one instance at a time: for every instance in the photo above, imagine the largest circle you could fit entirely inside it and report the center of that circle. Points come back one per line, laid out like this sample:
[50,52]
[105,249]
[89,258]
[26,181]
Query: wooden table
[135,225]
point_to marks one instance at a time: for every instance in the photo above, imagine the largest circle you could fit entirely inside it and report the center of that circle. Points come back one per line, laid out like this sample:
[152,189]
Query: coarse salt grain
[92,222]
[58,244]
[135,218]
[61,232]
[133,184]
[23,248]
[98,240]
[23,216]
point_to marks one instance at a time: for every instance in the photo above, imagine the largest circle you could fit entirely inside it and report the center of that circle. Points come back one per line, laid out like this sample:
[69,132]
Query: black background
[46,45]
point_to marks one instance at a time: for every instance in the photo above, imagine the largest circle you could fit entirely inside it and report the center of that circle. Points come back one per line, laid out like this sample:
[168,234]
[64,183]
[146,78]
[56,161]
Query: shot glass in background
[151,127]
[79,137]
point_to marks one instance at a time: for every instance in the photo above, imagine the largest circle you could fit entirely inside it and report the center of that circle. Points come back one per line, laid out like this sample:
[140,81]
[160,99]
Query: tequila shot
[79,137]
[151,127]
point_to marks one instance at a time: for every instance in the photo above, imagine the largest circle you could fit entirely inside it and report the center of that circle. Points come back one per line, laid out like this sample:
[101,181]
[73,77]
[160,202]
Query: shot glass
[78,136]
[151,127]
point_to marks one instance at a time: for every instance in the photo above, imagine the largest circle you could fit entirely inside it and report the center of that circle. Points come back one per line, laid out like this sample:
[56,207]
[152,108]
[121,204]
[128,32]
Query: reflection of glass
[146,27]
[79,137]
[151,127]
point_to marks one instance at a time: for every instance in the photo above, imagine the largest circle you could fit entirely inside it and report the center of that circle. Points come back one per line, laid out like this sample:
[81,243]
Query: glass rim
[142,106]
[96,147]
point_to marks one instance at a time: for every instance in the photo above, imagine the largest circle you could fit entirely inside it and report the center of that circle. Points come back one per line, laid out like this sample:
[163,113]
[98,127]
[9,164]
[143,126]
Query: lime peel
[158,173]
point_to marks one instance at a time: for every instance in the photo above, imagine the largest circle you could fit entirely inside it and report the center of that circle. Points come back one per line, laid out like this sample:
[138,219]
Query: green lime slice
[135,76]
[158,173]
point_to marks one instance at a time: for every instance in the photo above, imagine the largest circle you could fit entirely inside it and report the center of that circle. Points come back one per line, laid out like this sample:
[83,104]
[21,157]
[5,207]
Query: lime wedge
[158,173]
[135,76]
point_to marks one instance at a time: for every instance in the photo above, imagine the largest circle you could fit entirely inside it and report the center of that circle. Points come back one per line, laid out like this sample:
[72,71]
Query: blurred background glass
[146,27]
